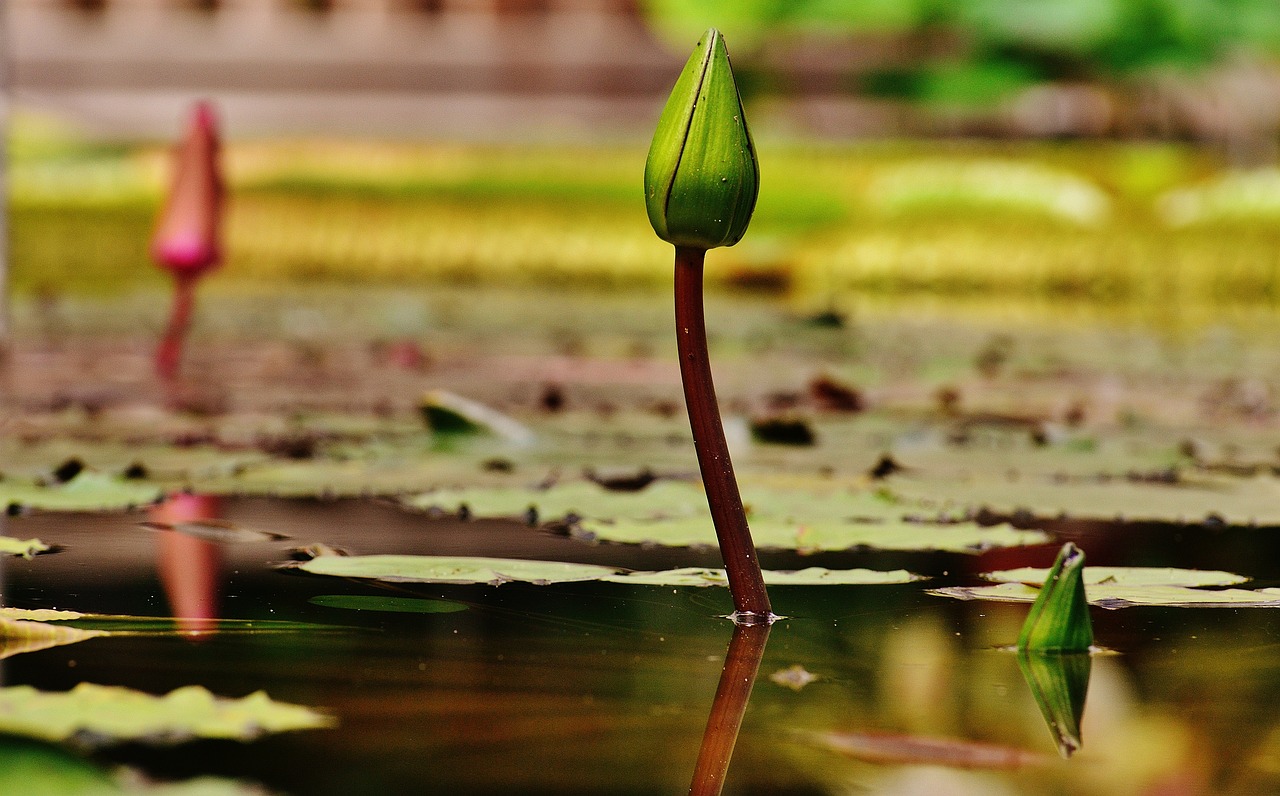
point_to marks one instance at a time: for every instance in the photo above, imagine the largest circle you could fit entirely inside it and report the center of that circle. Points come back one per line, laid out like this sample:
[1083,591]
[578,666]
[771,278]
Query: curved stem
[750,600]
[169,353]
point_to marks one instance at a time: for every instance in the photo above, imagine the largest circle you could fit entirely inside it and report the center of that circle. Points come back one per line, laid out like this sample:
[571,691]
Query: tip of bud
[701,177]
[187,234]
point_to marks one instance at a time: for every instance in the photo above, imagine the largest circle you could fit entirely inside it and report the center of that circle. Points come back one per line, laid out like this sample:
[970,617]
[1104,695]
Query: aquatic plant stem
[746,583]
[169,353]
[741,665]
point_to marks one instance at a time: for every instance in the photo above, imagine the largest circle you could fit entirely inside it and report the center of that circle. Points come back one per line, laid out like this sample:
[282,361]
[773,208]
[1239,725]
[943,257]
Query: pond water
[605,688]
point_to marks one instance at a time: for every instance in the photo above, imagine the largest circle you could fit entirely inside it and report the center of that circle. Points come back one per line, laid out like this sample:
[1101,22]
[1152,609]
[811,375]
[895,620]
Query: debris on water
[552,399]
[833,396]
[628,481]
[783,430]
[215,531]
[316,550]
[136,471]
[498,465]
[884,468]
[67,470]
[794,677]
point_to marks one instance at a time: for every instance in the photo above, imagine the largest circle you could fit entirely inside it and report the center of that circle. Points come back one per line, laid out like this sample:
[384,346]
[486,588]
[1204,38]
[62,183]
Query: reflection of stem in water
[1059,682]
[741,664]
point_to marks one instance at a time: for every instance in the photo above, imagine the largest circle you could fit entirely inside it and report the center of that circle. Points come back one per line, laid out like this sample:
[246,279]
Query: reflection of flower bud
[701,178]
[186,239]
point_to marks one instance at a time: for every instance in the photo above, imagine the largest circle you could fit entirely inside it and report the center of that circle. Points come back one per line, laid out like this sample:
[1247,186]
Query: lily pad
[1113,596]
[811,576]
[110,714]
[220,531]
[965,537]
[1124,576]
[20,635]
[440,569]
[25,548]
[88,491]
[496,571]
[401,605]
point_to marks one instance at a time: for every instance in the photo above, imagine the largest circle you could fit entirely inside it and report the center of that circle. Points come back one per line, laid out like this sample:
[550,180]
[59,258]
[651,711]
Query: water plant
[187,237]
[701,181]
[1059,618]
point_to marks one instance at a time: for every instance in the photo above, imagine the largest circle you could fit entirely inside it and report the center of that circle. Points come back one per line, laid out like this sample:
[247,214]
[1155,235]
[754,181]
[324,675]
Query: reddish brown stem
[746,583]
[741,664]
[169,353]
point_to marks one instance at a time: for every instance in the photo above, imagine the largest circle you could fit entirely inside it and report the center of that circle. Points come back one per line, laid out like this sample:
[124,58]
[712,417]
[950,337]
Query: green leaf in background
[87,491]
[402,605]
[25,548]
[1059,618]
[109,714]
[1059,682]
[36,767]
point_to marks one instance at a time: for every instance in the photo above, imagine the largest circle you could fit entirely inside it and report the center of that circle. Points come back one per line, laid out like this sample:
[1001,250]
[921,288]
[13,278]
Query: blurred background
[1115,152]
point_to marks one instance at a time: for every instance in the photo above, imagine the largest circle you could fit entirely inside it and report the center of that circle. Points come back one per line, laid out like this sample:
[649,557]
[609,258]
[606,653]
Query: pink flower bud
[187,239]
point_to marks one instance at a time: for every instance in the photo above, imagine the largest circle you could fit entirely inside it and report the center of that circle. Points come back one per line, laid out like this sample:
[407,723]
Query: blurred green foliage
[1005,44]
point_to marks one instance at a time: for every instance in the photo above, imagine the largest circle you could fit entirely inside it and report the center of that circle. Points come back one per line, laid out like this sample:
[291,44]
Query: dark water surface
[601,688]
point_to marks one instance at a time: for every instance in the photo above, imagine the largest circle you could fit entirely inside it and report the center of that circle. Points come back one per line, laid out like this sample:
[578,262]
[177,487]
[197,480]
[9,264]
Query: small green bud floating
[1059,618]
[701,178]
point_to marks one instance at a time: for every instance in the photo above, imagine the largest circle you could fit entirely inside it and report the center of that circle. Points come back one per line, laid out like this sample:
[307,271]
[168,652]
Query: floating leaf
[35,767]
[214,530]
[403,605]
[22,547]
[812,576]
[1113,596]
[675,514]
[19,635]
[88,491]
[496,571]
[795,677]
[441,569]
[964,537]
[110,714]
[1125,576]
[1059,618]
[39,614]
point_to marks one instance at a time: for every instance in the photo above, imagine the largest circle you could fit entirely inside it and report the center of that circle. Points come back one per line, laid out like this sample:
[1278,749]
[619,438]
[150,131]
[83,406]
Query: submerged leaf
[109,714]
[401,605]
[1059,618]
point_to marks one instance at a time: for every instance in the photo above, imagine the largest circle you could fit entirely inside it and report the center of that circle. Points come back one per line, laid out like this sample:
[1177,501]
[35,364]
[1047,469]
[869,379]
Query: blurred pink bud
[187,236]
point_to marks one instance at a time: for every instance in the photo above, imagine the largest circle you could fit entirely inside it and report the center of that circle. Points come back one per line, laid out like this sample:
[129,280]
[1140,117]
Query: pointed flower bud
[1059,618]
[187,237]
[701,179]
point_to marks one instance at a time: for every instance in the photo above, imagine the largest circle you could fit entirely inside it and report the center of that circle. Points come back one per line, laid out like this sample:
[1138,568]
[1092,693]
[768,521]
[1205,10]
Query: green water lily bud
[701,179]
[1059,618]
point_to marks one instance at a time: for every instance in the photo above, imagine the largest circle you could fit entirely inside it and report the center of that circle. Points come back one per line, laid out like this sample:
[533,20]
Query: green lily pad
[811,576]
[675,514]
[441,569]
[403,605]
[39,614]
[109,714]
[25,548]
[88,491]
[20,635]
[36,767]
[496,571]
[1124,576]
[965,537]
[1113,596]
